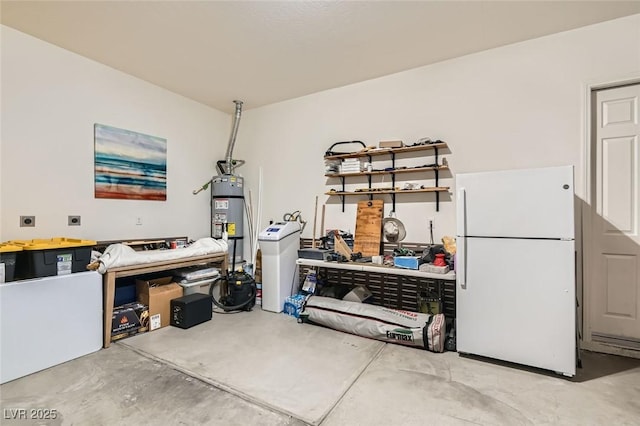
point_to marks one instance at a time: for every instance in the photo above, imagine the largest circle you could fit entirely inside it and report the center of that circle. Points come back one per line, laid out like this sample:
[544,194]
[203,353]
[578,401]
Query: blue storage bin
[407,262]
[124,294]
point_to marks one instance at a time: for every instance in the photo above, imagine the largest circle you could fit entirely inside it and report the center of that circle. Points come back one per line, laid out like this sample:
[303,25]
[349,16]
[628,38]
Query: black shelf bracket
[436,171]
[342,197]
[393,181]
[369,177]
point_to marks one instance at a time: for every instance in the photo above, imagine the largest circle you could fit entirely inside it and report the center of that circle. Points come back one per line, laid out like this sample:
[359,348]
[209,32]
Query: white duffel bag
[377,322]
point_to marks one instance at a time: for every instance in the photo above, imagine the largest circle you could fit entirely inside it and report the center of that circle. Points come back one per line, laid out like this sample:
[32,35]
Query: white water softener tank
[279,244]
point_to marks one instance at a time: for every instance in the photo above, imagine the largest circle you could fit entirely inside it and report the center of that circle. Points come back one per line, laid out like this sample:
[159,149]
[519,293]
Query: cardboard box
[391,144]
[157,294]
[129,319]
[407,262]
[358,294]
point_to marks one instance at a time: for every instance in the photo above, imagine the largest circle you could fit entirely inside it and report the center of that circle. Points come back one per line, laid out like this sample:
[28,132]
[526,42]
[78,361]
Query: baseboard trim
[609,349]
[622,342]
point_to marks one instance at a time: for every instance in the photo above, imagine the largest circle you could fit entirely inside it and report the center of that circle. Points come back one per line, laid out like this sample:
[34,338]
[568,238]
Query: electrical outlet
[73,221]
[29,221]
[138,221]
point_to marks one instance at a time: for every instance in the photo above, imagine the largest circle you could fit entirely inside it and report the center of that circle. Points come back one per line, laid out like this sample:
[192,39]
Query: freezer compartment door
[518,303]
[527,203]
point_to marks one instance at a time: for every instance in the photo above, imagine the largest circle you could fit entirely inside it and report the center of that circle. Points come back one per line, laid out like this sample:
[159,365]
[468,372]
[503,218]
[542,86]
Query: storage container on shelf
[55,256]
[8,261]
[201,286]
[196,279]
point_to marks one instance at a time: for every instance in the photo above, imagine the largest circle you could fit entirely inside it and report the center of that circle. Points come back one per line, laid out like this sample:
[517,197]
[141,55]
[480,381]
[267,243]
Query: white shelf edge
[365,267]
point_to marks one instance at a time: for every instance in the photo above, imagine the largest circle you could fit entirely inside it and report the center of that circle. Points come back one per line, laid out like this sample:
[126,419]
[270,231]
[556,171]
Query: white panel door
[526,203]
[518,302]
[614,272]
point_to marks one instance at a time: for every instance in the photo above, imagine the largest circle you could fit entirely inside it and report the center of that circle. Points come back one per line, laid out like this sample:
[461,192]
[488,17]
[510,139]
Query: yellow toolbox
[55,256]
[8,261]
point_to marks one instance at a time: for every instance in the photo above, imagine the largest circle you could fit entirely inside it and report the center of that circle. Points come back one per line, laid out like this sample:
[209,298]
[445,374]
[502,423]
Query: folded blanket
[117,255]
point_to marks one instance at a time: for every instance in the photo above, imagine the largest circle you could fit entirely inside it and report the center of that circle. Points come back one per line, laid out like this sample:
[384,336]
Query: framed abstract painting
[129,165]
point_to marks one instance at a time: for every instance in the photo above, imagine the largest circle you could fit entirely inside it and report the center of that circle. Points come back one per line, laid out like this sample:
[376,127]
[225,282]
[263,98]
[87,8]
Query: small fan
[393,229]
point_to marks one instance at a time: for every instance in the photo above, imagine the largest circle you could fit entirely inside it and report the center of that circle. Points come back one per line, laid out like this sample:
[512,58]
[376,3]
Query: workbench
[392,287]
[109,279]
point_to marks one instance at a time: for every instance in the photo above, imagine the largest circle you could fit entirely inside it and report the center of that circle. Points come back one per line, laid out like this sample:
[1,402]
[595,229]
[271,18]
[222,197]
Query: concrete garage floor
[260,368]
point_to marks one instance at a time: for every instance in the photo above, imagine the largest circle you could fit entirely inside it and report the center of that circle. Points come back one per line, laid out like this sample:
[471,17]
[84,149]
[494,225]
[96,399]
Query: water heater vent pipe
[232,138]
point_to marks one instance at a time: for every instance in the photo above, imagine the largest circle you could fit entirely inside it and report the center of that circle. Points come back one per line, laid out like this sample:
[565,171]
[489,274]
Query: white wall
[521,105]
[51,99]
[517,106]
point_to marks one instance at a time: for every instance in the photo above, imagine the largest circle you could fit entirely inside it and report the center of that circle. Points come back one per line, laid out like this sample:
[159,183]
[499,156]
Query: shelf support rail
[369,177]
[342,197]
[436,171]
[393,181]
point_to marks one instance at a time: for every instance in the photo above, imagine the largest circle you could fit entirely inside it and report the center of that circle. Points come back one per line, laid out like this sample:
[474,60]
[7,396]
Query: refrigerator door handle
[461,262]
[461,256]
[461,213]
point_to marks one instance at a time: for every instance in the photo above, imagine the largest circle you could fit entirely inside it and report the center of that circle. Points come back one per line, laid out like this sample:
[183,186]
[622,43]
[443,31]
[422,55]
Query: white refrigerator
[515,267]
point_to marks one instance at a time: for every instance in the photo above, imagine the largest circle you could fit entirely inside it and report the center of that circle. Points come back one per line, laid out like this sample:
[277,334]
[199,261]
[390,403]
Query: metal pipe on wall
[232,137]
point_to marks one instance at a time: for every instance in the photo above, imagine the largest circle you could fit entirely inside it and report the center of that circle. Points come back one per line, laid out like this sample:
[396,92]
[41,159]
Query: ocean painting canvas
[129,165]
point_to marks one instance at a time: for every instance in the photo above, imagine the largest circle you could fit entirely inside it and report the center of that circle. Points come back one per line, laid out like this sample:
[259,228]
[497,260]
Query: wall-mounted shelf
[390,191]
[388,172]
[388,151]
[392,171]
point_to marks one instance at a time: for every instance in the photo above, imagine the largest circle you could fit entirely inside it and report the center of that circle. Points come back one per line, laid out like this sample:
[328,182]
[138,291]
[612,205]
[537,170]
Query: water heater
[227,212]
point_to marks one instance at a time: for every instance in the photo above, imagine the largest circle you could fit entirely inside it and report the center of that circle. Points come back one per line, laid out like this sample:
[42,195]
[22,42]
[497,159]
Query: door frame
[583,280]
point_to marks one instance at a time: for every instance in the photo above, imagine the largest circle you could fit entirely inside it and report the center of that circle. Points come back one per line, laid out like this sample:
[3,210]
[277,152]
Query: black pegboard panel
[391,291]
